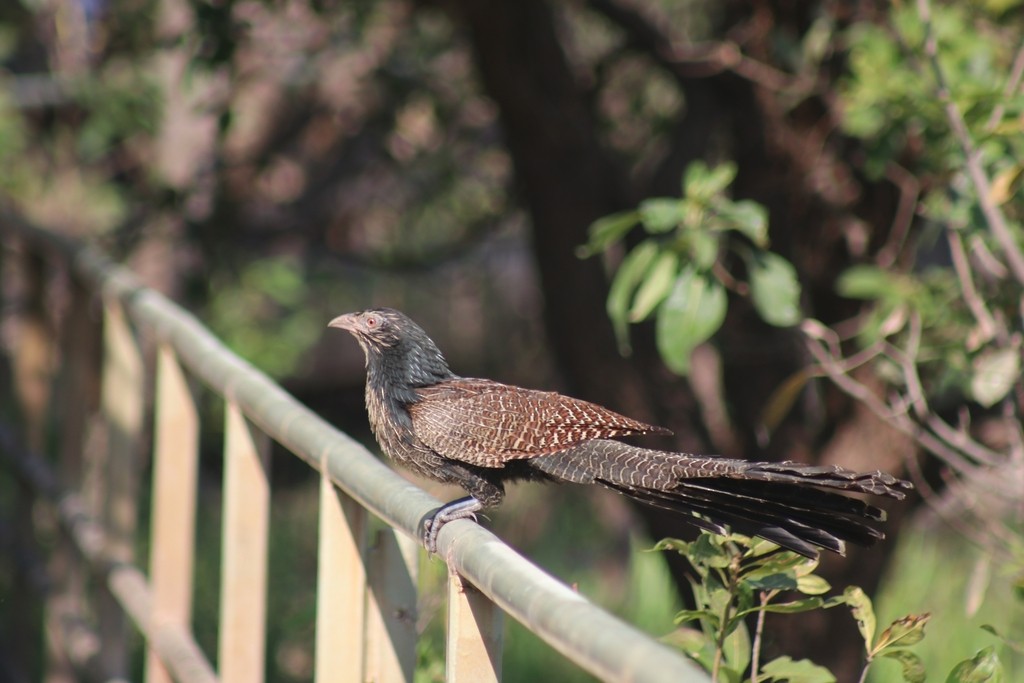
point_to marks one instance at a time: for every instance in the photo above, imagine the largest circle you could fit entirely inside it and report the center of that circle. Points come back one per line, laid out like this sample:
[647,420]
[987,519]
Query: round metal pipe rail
[584,633]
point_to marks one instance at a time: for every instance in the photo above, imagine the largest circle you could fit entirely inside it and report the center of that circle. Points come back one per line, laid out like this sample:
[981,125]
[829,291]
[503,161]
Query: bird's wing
[486,423]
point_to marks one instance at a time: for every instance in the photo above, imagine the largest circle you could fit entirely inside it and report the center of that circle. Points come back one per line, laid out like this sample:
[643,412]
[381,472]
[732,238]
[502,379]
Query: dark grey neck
[406,366]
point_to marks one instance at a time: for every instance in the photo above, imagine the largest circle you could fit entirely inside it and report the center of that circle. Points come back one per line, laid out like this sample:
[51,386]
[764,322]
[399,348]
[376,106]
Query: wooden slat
[391,620]
[474,635]
[341,587]
[114,476]
[175,461]
[244,565]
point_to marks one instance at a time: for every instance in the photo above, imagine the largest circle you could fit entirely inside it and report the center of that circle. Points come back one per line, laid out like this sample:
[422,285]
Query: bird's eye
[372,321]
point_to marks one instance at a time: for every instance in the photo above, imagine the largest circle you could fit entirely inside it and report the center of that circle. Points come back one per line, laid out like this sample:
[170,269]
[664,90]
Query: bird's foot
[463,508]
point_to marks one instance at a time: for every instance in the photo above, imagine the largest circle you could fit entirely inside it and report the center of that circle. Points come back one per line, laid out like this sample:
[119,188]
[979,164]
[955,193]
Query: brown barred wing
[487,423]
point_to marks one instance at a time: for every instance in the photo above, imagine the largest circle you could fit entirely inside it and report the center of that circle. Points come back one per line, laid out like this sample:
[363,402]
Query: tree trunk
[568,180]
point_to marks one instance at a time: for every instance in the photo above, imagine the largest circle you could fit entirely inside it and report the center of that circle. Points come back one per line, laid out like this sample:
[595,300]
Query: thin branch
[924,413]
[961,440]
[832,368]
[986,323]
[908,363]
[910,190]
[755,653]
[700,60]
[993,214]
[1016,75]
[933,499]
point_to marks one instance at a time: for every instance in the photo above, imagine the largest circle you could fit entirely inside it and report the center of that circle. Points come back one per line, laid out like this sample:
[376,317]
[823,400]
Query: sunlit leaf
[655,286]
[1003,184]
[748,218]
[703,248]
[984,667]
[863,613]
[628,277]
[708,550]
[660,214]
[606,231]
[812,584]
[761,546]
[697,645]
[681,547]
[995,372]
[913,667]
[796,671]
[688,615]
[866,282]
[693,311]
[736,648]
[790,607]
[774,289]
[903,632]
[704,183]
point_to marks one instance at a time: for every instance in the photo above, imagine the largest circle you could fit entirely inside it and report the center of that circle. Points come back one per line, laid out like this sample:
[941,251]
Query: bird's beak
[345,322]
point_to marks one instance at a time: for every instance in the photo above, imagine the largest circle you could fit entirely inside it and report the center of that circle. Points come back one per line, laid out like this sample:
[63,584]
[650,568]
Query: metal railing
[366,592]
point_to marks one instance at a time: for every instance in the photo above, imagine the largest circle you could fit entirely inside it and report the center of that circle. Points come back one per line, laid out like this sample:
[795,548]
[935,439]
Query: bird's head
[395,346]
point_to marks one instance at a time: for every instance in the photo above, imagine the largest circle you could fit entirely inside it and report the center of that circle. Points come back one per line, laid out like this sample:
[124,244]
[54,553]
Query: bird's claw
[464,508]
[432,527]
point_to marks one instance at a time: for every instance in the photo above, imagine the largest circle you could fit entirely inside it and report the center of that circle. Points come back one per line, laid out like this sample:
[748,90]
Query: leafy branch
[677,274]
[972,155]
[737,577]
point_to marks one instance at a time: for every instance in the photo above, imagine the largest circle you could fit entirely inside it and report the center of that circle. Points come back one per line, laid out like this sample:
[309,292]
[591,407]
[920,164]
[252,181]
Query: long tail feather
[798,506]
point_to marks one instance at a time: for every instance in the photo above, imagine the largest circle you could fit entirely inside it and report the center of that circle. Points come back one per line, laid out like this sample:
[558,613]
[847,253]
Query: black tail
[790,504]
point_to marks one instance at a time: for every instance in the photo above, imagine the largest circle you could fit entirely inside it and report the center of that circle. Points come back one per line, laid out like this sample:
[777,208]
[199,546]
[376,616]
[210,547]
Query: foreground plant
[737,578]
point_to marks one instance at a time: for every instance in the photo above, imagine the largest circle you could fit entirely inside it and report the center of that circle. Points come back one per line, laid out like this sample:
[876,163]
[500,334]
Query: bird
[481,434]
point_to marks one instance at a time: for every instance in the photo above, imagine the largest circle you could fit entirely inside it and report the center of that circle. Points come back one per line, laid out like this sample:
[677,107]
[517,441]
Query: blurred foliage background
[839,281]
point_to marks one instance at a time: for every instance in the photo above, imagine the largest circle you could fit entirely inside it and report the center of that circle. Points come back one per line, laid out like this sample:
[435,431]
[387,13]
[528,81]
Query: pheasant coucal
[480,434]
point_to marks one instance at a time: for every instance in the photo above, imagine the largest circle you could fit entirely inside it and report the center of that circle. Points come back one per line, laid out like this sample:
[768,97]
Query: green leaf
[708,551]
[736,648]
[697,645]
[628,277]
[660,214]
[688,615]
[812,584]
[913,667]
[704,183]
[606,231]
[796,671]
[656,286]
[834,601]
[784,561]
[693,311]
[995,372]
[718,601]
[774,289]
[760,547]
[703,248]
[771,580]
[681,547]
[1013,645]
[903,632]
[792,607]
[865,282]
[746,217]
[984,667]
[863,612]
